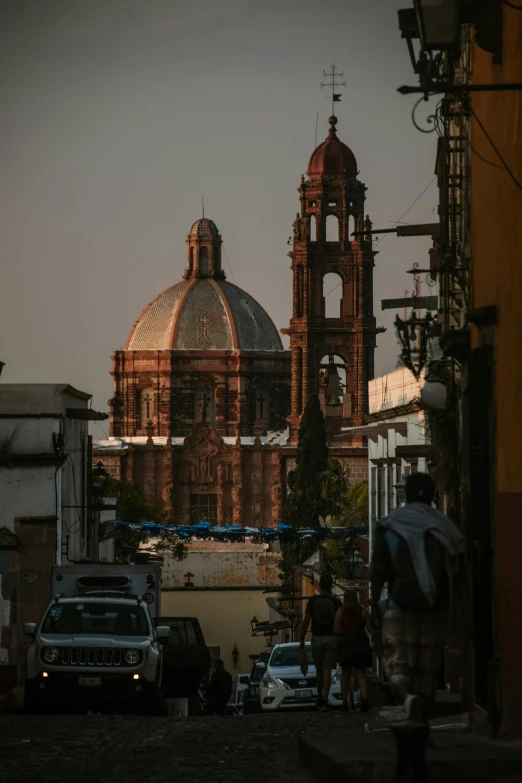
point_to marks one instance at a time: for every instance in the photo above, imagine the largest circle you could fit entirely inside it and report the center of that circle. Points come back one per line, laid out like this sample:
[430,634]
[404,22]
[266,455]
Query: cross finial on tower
[203,205]
[334,75]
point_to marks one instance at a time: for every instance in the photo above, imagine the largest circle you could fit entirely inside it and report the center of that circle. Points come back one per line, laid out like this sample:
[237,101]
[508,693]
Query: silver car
[95,649]
[285,687]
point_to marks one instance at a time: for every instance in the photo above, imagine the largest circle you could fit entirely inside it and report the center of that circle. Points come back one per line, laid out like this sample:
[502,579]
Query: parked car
[186,657]
[97,648]
[283,686]
[235,705]
[251,701]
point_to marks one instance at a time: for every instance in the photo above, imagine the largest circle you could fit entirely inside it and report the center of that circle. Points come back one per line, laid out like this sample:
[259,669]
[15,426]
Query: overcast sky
[118,115]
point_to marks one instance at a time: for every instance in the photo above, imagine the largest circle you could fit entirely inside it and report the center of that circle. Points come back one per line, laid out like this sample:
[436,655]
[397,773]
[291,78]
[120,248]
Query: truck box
[142,580]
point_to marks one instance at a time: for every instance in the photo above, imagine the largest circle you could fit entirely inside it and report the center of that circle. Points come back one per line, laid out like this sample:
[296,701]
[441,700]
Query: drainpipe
[59,522]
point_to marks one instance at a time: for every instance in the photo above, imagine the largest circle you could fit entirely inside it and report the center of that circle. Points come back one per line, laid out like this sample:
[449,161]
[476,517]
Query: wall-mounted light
[434,393]
[2,365]
[235,655]
[253,624]
[439,23]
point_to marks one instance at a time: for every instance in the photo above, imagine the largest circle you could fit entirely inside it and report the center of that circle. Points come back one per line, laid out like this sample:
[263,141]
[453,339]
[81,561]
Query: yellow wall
[224,616]
[496,220]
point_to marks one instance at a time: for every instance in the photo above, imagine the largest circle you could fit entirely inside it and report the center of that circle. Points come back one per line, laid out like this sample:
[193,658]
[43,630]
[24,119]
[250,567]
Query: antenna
[336,96]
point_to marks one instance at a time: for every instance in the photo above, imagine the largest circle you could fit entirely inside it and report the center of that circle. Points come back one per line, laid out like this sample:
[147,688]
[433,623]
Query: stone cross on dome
[204,321]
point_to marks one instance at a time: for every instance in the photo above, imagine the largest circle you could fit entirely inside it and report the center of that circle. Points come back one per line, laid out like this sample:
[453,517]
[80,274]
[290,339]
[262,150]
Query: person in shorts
[320,613]
[352,626]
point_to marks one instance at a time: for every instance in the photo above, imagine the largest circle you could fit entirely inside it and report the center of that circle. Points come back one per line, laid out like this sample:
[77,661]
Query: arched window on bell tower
[313,228]
[332,228]
[203,260]
[333,295]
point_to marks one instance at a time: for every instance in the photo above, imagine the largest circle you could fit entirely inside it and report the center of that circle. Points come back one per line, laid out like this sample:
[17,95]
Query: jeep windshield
[289,656]
[84,618]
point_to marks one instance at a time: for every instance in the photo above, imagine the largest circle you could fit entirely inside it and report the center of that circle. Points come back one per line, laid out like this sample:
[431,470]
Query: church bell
[333,390]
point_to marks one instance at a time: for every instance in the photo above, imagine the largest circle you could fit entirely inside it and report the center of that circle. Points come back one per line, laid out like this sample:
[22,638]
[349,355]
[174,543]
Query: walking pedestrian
[354,651]
[419,555]
[219,690]
[320,612]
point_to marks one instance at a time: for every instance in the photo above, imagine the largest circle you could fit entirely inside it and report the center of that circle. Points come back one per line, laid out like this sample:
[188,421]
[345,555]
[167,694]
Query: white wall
[216,564]
[393,389]
[26,492]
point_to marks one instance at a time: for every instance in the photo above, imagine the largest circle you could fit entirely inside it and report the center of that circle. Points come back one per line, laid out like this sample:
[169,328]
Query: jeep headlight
[132,656]
[269,682]
[50,654]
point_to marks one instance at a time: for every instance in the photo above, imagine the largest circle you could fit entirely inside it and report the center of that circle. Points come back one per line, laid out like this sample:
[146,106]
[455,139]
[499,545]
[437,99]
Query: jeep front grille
[91,656]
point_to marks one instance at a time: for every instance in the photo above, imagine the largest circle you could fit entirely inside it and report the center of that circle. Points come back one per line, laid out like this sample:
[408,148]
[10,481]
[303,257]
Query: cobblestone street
[105,748]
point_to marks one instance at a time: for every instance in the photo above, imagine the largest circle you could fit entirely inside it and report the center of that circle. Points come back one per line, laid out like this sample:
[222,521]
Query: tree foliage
[135,508]
[306,501]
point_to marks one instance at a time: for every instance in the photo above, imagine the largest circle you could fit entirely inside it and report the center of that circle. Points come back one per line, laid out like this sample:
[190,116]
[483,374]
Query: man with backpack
[419,554]
[320,611]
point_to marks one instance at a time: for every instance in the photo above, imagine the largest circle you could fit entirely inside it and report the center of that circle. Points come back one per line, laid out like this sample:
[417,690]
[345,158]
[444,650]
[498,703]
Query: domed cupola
[204,251]
[332,156]
[204,312]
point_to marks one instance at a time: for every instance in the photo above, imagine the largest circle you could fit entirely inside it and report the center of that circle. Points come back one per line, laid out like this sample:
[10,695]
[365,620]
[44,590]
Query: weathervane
[336,96]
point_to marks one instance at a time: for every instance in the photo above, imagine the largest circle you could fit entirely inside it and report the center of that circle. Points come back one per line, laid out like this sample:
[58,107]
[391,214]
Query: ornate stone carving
[204,443]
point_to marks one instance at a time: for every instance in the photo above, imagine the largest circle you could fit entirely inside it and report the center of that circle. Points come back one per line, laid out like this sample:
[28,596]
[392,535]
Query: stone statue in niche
[203,403]
[368,229]
[297,227]
[222,473]
[305,227]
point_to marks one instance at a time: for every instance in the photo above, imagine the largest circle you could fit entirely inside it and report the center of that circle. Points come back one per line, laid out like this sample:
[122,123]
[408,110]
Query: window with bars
[373,494]
[210,405]
[381,490]
[146,407]
[261,405]
[203,508]
[391,492]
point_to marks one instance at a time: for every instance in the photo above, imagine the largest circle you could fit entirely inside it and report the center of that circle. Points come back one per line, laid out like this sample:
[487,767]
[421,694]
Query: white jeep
[98,649]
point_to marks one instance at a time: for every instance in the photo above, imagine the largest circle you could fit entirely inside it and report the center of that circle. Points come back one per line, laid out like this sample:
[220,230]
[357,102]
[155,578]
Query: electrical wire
[379,242]
[488,137]
[489,162]
[79,520]
[229,265]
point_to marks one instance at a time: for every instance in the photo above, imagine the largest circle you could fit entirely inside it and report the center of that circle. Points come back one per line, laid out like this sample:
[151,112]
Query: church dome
[204,228]
[332,156]
[204,314]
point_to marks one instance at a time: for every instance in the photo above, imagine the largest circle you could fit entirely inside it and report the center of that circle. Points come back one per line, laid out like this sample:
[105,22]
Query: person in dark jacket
[352,625]
[219,690]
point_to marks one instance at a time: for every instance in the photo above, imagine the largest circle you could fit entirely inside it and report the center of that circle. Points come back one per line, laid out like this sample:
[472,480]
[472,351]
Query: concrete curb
[367,758]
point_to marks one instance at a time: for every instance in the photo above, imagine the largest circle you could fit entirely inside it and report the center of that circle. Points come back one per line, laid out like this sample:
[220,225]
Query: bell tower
[332,353]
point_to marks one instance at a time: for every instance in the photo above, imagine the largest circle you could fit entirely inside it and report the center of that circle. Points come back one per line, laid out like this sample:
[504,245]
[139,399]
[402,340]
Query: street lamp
[253,624]
[99,472]
[434,393]
[2,365]
[439,23]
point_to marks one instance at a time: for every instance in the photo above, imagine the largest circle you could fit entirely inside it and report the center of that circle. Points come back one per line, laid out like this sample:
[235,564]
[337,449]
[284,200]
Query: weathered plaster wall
[216,564]
[224,616]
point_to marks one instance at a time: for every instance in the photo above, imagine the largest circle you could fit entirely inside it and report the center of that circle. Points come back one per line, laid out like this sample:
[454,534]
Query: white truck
[133,580]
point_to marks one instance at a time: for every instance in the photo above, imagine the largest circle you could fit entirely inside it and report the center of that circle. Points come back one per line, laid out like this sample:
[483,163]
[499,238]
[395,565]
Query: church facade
[207,403]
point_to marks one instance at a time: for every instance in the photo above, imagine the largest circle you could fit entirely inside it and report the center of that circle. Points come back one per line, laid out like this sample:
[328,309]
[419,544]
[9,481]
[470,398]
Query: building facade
[207,403]
[332,352]
[43,521]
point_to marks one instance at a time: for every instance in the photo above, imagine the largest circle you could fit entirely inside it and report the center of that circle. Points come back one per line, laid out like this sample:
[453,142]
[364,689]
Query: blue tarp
[238,533]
